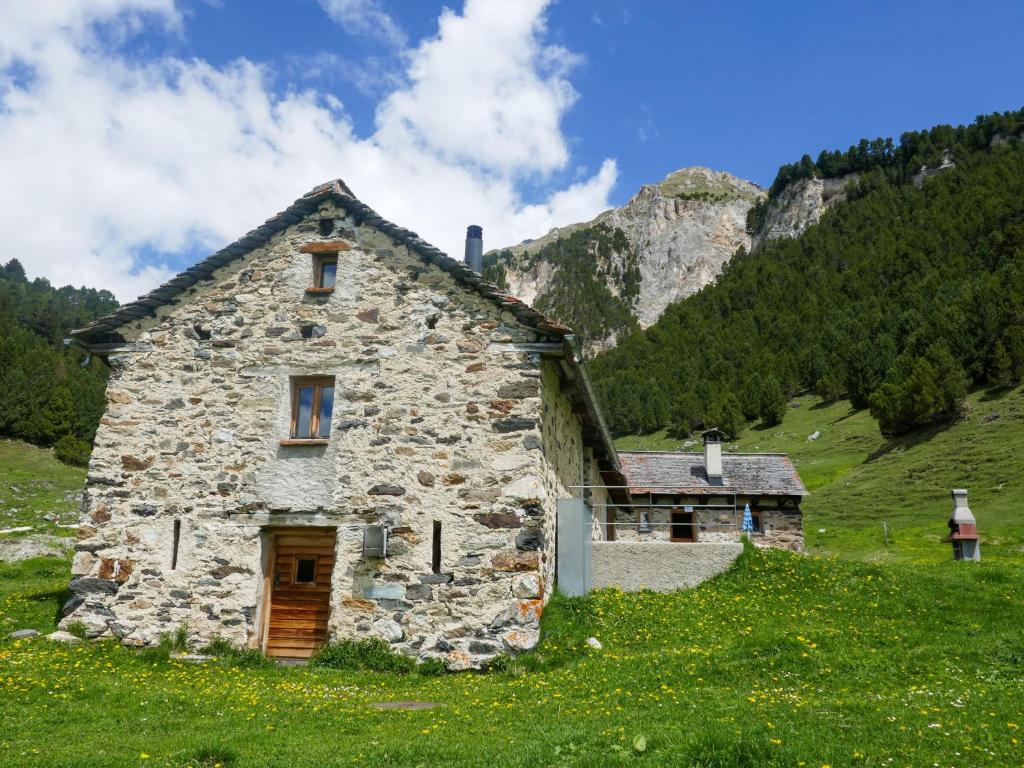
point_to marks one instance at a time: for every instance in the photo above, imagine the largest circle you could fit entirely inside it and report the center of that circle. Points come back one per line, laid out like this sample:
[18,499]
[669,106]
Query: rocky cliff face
[678,234]
[801,204]
[684,230]
[608,276]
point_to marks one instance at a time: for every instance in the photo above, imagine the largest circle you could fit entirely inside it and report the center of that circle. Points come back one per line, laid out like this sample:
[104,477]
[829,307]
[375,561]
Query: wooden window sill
[305,441]
[320,291]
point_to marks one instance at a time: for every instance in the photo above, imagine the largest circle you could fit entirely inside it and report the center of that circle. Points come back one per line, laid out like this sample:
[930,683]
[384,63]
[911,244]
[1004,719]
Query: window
[435,555]
[174,545]
[325,271]
[305,570]
[312,406]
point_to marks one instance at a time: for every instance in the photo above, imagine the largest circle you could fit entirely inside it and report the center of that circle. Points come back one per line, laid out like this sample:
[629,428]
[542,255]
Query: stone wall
[659,565]
[438,416]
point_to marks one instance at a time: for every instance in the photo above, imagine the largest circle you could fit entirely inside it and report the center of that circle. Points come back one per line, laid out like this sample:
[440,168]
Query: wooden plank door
[300,593]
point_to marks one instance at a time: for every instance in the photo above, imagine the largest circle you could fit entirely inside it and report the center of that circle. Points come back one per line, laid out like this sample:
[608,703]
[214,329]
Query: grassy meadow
[783,661]
[36,490]
[857,655]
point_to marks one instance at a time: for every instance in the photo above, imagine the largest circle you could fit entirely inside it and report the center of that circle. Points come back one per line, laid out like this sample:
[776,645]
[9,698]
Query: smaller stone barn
[700,497]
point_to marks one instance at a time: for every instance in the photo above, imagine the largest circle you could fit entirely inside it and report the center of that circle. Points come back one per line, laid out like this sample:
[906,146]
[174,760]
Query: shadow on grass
[910,441]
[996,394]
[60,598]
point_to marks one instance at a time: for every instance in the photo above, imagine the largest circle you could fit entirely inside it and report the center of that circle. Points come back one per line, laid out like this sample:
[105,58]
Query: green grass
[884,656]
[858,479]
[34,486]
[783,661]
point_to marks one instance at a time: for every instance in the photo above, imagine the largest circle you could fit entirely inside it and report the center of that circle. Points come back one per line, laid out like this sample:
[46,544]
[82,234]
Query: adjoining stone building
[331,429]
[694,497]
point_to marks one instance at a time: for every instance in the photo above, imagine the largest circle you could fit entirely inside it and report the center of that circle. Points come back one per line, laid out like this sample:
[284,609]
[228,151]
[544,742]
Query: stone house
[329,428]
[700,497]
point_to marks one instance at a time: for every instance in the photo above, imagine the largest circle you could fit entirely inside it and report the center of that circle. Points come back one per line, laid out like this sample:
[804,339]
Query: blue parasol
[748,520]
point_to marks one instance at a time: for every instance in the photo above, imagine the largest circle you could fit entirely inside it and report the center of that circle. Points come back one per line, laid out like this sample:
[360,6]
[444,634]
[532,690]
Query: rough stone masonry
[443,412]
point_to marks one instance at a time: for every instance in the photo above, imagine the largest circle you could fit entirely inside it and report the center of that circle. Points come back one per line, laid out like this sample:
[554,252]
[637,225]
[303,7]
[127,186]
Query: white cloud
[106,158]
[365,17]
[486,90]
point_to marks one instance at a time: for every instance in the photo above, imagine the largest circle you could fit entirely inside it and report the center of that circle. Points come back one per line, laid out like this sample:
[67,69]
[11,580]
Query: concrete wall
[660,566]
[437,416]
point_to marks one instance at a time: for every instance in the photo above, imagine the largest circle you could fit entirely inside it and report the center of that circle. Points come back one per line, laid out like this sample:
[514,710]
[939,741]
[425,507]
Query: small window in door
[305,570]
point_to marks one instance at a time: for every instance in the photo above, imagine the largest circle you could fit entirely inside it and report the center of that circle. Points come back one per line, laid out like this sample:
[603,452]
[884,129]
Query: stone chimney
[475,248]
[713,455]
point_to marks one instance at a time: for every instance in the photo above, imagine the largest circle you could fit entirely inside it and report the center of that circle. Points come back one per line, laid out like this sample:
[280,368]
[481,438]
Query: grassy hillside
[857,478]
[783,661]
[36,490]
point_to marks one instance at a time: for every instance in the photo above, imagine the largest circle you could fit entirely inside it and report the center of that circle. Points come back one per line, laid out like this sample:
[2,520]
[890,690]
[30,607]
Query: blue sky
[188,122]
[736,86]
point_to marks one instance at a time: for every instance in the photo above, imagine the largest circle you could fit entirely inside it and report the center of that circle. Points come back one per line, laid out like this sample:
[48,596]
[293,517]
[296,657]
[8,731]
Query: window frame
[318,383]
[319,260]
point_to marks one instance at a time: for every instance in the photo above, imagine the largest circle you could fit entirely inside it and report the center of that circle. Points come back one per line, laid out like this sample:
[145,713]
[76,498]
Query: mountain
[49,395]
[615,274]
[903,288]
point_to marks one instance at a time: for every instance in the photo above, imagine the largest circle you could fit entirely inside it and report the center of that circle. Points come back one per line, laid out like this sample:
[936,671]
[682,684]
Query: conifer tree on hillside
[46,396]
[899,299]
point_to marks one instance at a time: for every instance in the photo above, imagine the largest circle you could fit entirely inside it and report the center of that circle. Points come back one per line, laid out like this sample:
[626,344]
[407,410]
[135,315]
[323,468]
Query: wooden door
[300,592]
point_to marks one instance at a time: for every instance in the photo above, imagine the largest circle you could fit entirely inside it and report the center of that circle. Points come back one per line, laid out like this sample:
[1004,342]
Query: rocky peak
[669,241]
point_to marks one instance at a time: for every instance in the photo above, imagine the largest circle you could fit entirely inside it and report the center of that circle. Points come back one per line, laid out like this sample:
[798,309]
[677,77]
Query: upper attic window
[325,271]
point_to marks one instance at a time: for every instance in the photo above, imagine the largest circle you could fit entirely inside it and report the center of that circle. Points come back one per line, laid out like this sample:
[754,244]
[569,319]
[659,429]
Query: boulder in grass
[60,636]
[21,634]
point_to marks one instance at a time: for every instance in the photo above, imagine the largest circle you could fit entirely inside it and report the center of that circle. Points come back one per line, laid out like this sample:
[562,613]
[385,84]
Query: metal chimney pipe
[475,248]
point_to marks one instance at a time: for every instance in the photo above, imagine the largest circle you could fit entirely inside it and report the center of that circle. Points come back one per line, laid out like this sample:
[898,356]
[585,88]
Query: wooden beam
[328,246]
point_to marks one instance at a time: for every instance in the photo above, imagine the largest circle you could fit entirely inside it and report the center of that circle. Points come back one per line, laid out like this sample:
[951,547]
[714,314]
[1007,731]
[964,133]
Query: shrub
[180,639]
[373,654]
[432,667]
[72,450]
[230,656]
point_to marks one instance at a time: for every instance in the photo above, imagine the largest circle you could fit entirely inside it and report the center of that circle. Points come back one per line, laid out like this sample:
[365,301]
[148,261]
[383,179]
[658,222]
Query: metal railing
[642,520]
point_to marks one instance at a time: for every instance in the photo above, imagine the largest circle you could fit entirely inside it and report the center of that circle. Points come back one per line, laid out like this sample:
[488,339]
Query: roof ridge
[147,304]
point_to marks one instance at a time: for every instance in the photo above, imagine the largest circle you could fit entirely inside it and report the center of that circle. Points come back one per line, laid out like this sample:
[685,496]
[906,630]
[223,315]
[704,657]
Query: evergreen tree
[773,402]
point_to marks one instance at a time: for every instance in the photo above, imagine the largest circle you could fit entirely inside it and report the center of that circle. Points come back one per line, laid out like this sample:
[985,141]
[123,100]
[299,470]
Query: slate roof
[755,474]
[339,192]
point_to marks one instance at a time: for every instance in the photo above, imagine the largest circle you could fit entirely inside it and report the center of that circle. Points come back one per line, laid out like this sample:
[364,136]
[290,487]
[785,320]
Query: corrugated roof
[756,474]
[339,192]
